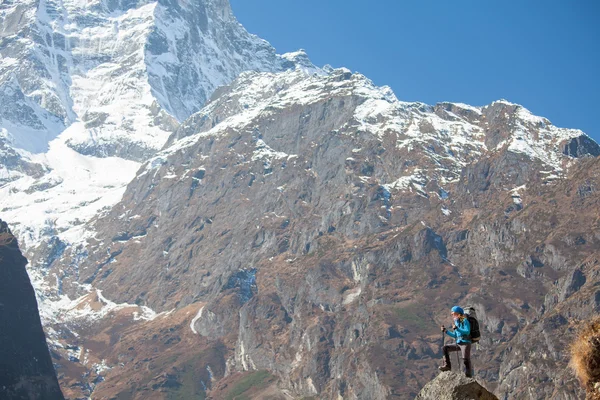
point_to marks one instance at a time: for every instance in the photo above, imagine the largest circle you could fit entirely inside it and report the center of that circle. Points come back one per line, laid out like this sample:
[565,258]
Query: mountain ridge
[330,233]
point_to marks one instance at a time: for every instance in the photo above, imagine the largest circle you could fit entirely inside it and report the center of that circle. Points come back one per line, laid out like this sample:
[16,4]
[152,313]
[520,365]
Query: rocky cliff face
[26,370]
[304,233]
[314,227]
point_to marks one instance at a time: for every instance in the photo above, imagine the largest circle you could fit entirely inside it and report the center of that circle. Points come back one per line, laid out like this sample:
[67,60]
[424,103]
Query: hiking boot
[445,367]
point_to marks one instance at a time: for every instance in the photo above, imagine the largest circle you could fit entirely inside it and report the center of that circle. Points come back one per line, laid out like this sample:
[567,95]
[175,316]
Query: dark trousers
[465,350]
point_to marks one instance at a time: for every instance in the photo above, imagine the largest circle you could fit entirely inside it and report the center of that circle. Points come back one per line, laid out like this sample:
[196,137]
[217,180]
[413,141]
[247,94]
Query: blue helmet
[457,309]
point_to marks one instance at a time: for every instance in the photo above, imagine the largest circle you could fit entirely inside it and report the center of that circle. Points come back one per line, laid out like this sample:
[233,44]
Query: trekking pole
[457,355]
[443,340]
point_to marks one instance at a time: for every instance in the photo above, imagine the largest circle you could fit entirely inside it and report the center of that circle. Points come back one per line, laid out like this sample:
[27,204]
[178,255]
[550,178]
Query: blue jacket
[462,333]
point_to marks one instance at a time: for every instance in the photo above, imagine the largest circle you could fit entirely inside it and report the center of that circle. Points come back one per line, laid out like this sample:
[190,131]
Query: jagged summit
[125,72]
[454,134]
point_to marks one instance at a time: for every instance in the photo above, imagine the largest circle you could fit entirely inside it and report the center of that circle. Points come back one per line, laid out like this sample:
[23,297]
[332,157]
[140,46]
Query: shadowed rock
[26,370]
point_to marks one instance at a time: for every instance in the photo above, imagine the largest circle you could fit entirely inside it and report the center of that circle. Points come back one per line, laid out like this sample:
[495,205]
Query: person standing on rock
[461,331]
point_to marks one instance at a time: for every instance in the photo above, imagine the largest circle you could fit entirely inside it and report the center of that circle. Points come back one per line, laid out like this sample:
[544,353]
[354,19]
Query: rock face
[451,386]
[26,370]
[320,230]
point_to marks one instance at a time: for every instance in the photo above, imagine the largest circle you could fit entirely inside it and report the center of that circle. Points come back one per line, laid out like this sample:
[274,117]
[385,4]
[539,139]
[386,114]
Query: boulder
[452,386]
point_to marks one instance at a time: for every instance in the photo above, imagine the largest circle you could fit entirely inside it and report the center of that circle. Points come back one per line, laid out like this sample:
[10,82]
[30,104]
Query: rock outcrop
[452,386]
[26,370]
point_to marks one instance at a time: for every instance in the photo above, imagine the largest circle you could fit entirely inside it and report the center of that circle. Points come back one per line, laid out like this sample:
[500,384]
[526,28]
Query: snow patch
[264,152]
[351,295]
[87,309]
[76,189]
[476,110]
[516,196]
[195,319]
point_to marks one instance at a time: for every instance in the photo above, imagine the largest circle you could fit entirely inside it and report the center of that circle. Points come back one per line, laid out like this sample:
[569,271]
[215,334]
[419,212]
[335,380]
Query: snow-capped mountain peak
[81,81]
[130,71]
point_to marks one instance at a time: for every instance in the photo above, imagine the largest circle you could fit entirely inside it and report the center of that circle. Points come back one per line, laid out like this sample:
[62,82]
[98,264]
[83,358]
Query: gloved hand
[443,329]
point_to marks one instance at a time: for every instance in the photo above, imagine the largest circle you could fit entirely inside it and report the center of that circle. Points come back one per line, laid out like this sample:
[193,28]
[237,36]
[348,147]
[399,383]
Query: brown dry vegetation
[585,358]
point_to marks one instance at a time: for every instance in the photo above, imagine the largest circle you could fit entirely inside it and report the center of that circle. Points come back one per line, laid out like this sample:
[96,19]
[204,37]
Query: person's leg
[446,350]
[466,355]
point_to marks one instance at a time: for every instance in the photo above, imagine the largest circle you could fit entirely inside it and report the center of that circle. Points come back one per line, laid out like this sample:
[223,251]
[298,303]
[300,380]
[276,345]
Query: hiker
[461,331]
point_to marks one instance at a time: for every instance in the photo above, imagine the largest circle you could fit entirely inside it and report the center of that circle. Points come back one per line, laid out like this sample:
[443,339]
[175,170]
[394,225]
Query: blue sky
[544,55]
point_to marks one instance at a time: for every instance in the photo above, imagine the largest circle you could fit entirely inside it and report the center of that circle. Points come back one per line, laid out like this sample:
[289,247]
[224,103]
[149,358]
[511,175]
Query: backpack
[475,335]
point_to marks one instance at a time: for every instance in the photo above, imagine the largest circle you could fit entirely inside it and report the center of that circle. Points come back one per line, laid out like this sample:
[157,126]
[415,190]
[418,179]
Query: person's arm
[451,333]
[464,328]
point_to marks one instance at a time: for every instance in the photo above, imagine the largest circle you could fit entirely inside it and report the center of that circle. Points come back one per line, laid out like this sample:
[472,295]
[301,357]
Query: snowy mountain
[110,80]
[174,182]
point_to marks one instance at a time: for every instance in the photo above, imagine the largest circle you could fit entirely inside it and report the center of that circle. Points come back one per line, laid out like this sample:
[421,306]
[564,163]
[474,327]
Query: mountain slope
[319,229]
[303,147]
